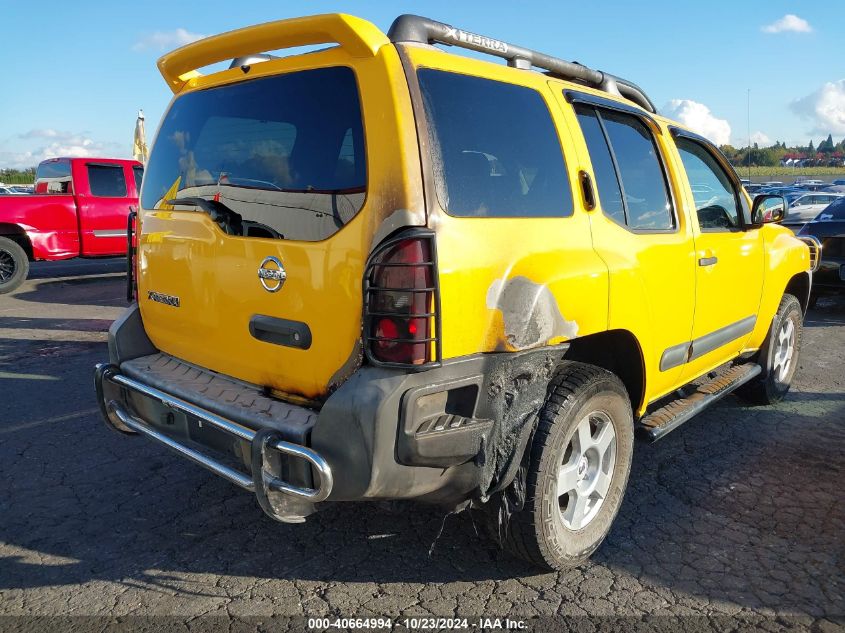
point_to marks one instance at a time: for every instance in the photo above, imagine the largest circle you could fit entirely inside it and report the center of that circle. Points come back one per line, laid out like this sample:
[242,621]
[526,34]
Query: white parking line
[59,418]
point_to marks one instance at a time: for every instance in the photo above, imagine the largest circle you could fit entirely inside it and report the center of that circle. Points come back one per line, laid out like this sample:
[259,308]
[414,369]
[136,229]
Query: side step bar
[672,415]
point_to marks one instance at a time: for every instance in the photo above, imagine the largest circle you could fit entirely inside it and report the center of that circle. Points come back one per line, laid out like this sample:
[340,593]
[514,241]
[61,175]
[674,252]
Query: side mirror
[768,208]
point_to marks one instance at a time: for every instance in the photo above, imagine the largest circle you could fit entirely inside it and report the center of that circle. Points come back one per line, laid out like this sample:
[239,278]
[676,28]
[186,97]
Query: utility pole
[748,102]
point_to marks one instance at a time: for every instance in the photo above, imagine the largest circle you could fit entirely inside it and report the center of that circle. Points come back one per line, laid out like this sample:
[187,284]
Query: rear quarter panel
[49,222]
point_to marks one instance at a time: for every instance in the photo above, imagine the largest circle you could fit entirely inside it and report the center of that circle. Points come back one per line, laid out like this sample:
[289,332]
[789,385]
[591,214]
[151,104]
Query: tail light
[401,302]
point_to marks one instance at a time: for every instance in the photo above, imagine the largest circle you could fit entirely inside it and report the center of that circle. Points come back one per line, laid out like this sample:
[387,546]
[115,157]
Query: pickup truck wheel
[579,465]
[14,265]
[778,356]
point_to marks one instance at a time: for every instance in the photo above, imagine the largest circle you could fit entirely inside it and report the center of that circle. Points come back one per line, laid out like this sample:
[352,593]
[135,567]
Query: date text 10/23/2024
[425,623]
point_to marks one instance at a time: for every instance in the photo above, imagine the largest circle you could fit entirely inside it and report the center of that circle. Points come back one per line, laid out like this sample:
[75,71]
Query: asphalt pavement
[735,520]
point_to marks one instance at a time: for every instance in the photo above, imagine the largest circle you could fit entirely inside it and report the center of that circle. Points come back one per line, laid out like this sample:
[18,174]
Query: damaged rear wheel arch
[617,351]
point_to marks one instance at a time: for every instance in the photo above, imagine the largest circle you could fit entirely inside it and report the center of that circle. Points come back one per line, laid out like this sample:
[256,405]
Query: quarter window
[629,175]
[496,149]
[716,200]
[107,181]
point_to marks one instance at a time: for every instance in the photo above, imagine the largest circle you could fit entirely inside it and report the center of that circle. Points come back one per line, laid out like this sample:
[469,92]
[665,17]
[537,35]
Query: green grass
[793,172]
[16,179]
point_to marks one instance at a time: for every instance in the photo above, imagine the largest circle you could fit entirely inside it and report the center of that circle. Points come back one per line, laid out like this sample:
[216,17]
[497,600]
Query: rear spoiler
[357,37]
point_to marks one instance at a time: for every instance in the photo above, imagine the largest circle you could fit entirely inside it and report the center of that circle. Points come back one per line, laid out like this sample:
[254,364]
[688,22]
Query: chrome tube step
[672,415]
[265,441]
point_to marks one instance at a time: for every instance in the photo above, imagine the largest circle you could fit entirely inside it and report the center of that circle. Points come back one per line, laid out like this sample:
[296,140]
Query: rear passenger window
[629,176]
[607,183]
[716,201]
[107,181]
[496,151]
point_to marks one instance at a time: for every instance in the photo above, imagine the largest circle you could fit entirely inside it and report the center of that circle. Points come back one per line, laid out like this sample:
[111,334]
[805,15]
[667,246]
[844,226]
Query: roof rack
[414,28]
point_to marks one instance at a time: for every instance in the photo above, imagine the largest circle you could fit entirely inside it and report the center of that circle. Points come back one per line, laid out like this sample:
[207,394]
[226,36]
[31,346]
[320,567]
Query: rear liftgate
[281,500]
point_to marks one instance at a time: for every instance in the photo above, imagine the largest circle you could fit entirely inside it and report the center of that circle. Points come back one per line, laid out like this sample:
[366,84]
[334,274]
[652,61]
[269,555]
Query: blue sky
[76,73]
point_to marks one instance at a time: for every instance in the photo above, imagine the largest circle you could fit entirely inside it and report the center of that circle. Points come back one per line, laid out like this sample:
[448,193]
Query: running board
[670,416]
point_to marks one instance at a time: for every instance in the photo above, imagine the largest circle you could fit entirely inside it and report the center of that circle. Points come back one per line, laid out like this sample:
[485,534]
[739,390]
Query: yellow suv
[379,270]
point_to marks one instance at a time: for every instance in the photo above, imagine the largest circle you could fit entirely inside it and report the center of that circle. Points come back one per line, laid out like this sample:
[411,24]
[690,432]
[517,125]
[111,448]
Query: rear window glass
[285,153]
[106,181]
[496,150]
[53,177]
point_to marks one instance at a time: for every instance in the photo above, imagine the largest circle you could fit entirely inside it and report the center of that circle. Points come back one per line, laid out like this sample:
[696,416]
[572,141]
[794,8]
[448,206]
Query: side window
[106,181]
[53,177]
[610,196]
[716,200]
[138,172]
[496,149]
[629,176]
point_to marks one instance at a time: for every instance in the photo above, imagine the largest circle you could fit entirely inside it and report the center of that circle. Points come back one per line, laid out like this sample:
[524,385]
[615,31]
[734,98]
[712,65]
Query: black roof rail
[414,28]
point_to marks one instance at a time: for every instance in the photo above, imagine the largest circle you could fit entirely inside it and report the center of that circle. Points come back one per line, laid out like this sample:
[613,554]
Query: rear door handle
[707,261]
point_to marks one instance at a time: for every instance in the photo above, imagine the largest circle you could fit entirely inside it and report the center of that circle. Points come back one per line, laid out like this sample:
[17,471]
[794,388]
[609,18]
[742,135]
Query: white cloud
[41,133]
[698,118]
[761,139]
[824,108]
[40,144]
[166,40]
[789,23]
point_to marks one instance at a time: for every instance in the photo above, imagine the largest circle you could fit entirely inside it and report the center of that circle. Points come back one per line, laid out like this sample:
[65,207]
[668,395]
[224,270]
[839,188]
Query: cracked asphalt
[735,519]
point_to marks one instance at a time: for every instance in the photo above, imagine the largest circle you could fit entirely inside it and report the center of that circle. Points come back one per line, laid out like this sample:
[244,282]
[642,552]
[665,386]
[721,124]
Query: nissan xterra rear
[383,271]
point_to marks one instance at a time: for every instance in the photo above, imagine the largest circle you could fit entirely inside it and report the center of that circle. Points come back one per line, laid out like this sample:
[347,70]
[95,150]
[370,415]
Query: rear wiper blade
[230,221]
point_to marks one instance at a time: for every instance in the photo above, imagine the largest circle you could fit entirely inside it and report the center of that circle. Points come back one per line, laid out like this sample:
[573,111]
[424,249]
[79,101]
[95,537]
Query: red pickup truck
[79,209]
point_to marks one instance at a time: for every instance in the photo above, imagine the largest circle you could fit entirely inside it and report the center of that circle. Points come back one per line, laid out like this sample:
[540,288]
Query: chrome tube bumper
[119,417]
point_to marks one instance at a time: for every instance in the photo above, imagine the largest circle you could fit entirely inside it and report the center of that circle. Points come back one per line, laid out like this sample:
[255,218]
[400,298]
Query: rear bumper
[262,480]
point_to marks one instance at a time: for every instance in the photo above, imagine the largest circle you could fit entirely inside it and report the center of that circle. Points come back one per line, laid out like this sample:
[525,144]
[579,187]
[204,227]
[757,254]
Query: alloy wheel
[784,350]
[585,475]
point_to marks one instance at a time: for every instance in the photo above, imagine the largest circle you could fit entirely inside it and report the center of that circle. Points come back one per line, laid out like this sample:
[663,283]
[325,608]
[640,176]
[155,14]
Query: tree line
[17,176]
[826,154]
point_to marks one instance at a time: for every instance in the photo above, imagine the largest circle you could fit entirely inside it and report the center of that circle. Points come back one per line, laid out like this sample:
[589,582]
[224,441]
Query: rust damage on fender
[529,311]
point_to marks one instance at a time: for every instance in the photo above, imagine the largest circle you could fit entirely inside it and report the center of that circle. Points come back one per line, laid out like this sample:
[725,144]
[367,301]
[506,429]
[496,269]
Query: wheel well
[799,286]
[617,351]
[19,236]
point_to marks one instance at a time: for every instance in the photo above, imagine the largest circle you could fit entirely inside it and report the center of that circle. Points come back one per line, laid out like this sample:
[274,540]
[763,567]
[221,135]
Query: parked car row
[15,190]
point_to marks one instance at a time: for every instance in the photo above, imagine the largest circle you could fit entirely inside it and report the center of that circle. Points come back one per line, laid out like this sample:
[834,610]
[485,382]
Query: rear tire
[778,356]
[579,465]
[14,265]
